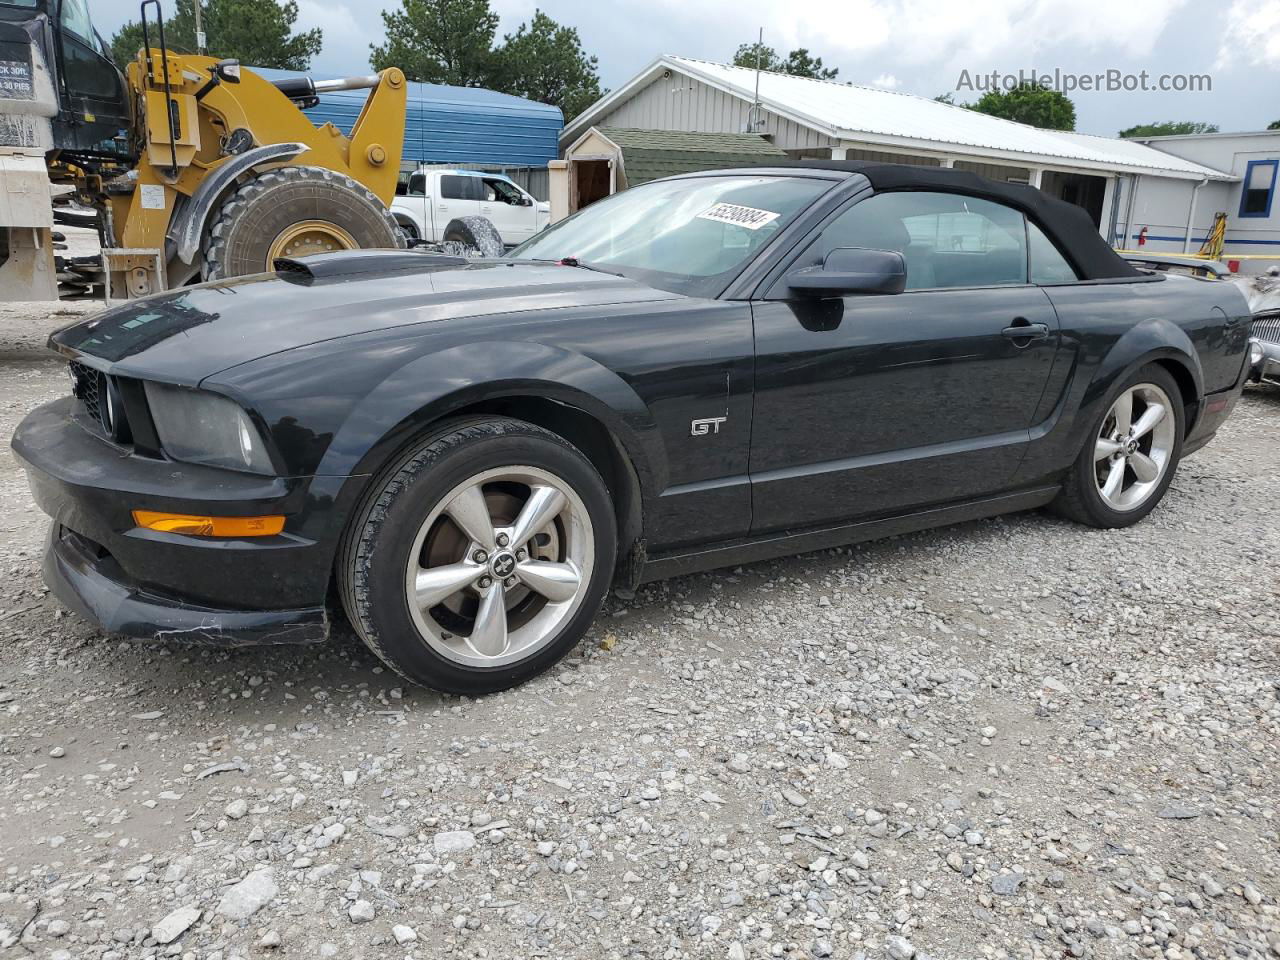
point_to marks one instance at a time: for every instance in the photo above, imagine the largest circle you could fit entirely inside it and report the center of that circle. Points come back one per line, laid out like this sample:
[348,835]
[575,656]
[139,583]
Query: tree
[544,61]
[452,41]
[440,41]
[757,54]
[1029,103]
[799,63]
[949,98]
[258,33]
[1274,125]
[127,41]
[1169,128]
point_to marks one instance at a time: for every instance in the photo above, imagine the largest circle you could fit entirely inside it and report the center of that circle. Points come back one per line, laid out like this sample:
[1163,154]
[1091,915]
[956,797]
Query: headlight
[1256,353]
[202,427]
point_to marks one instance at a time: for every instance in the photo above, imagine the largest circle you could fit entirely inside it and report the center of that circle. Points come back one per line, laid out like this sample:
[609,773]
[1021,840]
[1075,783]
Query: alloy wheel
[1134,447]
[499,566]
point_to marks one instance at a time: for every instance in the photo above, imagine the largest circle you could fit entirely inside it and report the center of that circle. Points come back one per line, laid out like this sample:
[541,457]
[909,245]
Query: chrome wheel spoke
[1150,417]
[1144,468]
[1106,447]
[1130,456]
[1123,411]
[436,584]
[543,506]
[489,635]
[1115,478]
[508,572]
[557,582]
[469,511]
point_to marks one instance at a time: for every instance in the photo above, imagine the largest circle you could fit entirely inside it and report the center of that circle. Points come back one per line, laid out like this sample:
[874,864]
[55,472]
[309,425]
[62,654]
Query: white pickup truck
[426,203]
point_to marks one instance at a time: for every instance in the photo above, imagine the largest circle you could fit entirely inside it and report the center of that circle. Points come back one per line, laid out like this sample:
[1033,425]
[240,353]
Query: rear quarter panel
[1109,330]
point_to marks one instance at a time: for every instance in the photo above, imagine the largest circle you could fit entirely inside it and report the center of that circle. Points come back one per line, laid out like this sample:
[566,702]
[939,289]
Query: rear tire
[1130,453]
[294,211]
[480,558]
[476,233]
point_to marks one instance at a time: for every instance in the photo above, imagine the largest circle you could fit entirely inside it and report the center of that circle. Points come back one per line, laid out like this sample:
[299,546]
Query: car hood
[186,335]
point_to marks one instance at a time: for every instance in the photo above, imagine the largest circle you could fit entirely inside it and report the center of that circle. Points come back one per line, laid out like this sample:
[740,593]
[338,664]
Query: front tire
[410,232]
[1130,454]
[480,558]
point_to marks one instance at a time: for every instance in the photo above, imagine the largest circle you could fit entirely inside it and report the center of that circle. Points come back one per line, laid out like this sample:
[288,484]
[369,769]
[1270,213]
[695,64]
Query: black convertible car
[704,370]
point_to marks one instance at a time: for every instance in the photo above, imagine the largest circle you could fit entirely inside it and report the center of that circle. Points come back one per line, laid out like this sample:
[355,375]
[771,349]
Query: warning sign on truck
[15,80]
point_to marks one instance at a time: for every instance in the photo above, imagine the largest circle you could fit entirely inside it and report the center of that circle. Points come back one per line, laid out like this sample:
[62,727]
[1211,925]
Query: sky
[923,47]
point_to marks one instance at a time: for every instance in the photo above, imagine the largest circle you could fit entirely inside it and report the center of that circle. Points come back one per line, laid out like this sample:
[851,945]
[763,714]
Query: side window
[1259,185]
[947,240]
[502,192]
[453,187]
[1047,264]
[75,19]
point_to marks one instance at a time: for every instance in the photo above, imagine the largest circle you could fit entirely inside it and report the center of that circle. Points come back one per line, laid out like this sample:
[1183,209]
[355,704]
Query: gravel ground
[1014,738]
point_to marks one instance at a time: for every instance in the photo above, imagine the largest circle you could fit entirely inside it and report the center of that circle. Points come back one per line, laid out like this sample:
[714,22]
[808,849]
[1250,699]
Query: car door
[413,203]
[509,209]
[876,404]
[457,195]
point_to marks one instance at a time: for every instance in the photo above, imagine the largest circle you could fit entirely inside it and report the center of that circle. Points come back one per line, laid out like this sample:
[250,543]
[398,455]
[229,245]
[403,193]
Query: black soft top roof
[1067,225]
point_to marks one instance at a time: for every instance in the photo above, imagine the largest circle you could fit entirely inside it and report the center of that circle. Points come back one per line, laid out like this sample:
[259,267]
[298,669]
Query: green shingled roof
[650,154]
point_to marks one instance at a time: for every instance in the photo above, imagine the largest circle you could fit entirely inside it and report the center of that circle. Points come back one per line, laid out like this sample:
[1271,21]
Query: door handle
[1020,329]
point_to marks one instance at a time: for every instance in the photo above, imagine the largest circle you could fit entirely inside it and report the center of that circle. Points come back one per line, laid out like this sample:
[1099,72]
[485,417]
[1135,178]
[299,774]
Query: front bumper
[92,585]
[148,584]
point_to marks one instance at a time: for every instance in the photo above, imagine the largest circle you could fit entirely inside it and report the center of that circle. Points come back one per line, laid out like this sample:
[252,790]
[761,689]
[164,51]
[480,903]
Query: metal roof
[870,115]
[651,154]
[446,124]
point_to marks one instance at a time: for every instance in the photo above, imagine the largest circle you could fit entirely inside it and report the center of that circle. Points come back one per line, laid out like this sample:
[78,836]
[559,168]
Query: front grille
[1266,327]
[89,387]
[103,402]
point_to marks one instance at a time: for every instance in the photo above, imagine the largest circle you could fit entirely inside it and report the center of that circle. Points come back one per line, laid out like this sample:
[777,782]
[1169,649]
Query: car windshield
[688,236]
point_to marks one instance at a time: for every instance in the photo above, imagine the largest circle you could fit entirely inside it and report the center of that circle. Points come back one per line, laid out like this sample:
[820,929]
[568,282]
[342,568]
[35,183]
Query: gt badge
[700,428]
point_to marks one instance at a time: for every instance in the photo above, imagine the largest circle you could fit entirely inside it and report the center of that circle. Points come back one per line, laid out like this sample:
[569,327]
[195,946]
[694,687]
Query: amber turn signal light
[208,526]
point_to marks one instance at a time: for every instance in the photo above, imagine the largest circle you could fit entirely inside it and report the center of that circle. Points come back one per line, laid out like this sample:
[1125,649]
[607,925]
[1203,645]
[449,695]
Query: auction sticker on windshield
[739,216]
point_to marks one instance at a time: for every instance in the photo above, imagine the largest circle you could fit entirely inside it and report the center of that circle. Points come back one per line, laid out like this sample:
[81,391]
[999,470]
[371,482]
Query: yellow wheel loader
[197,167]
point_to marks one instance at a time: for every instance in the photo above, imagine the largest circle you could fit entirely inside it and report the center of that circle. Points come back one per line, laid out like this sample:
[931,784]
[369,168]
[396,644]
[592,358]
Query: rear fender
[1151,340]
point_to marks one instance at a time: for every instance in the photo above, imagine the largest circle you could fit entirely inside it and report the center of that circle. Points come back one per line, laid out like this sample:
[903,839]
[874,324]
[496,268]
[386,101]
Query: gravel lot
[1014,738]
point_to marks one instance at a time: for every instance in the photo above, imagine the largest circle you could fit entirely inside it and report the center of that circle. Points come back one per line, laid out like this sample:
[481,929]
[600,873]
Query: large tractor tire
[294,212]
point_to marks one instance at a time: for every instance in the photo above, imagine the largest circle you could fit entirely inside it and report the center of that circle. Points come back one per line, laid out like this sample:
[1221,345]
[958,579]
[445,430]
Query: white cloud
[886,80]
[1251,37]
[346,36]
[974,33]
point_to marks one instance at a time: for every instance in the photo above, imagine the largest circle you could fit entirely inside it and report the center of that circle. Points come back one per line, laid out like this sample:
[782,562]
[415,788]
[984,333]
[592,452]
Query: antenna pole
[199,30]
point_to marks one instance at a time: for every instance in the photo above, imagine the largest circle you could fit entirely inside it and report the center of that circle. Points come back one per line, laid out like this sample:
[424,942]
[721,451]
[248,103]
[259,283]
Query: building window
[1259,188]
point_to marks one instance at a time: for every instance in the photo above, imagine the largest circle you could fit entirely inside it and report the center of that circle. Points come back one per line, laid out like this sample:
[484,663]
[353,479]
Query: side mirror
[525,202]
[228,71]
[849,270]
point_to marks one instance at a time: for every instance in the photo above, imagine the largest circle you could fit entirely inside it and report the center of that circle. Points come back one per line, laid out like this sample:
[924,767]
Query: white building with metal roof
[828,119]
[1249,206]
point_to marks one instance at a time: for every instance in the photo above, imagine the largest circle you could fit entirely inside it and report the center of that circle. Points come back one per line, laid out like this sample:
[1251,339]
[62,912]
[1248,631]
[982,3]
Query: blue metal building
[454,124]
